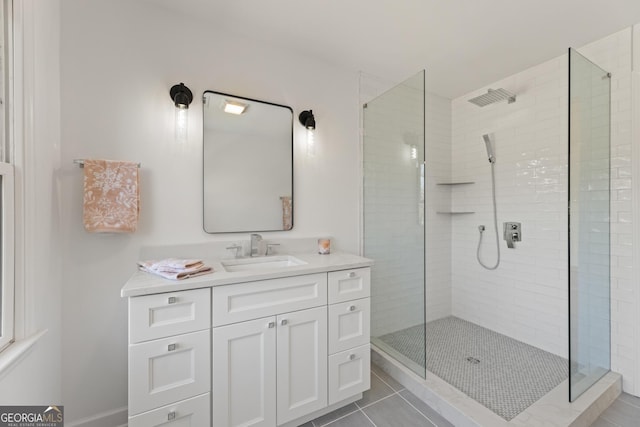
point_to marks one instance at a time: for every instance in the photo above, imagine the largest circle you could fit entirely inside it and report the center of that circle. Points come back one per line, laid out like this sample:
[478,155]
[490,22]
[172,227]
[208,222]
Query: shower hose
[495,224]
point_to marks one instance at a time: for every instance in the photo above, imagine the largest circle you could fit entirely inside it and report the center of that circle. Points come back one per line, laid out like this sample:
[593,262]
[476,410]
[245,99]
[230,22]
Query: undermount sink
[262,263]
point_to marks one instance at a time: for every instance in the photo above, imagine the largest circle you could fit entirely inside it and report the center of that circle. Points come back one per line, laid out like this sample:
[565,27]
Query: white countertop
[142,283]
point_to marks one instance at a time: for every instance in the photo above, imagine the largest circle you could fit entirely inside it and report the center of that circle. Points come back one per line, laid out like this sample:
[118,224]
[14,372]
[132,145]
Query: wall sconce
[309,122]
[181,97]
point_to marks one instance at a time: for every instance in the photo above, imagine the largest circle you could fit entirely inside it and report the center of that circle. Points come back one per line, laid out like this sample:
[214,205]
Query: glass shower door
[393,220]
[589,250]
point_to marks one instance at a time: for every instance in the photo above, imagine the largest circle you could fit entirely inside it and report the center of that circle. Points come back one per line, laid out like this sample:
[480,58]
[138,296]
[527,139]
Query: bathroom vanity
[267,341]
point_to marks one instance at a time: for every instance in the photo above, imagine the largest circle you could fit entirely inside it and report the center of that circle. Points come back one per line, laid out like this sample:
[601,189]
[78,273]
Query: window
[6,254]
[7,203]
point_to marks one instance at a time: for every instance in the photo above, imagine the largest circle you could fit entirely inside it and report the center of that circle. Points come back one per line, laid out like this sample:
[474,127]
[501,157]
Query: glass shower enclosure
[393,219]
[405,246]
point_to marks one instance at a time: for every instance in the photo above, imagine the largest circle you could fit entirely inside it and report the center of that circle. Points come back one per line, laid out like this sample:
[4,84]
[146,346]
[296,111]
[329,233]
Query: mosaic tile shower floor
[501,373]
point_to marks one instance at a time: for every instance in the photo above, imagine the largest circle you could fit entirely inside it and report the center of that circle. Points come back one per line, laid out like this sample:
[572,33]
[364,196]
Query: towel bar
[80,162]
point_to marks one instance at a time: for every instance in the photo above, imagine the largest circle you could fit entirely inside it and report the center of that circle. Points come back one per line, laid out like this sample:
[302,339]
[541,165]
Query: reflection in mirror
[247,164]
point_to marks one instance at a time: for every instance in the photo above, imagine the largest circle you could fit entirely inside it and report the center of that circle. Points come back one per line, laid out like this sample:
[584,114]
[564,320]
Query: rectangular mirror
[247,164]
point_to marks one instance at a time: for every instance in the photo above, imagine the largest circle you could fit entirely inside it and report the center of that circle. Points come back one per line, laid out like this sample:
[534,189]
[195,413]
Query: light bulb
[311,143]
[182,125]
[414,152]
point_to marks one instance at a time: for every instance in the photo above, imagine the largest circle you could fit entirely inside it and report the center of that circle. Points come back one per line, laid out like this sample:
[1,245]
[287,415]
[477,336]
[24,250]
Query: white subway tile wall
[438,198]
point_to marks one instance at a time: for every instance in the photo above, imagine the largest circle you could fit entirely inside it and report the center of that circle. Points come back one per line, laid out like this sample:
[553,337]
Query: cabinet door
[192,412]
[244,374]
[349,373]
[168,370]
[349,324]
[302,363]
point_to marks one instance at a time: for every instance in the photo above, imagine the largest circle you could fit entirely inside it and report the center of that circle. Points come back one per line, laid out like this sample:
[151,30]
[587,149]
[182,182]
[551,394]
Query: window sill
[13,354]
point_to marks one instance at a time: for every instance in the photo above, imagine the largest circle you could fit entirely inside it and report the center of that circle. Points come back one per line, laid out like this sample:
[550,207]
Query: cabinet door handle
[352,357]
[172,300]
[352,274]
[171,416]
[352,308]
[284,322]
[271,325]
[171,347]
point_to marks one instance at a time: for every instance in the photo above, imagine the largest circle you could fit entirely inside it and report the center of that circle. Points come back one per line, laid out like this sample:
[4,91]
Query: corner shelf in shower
[455,183]
[450,183]
[455,212]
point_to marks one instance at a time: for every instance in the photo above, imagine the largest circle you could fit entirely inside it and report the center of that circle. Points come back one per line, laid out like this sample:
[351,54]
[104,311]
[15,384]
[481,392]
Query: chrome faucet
[255,244]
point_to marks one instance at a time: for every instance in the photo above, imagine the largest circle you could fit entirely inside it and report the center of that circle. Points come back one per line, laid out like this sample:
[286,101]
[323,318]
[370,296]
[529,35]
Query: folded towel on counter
[111,196]
[175,268]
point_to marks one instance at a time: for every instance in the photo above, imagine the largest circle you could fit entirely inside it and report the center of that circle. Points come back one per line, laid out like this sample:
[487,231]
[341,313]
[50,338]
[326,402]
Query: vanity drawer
[351,284]
[349,373]
[349,324]
[192,412]
[172,313]
[168,370]
[252,300]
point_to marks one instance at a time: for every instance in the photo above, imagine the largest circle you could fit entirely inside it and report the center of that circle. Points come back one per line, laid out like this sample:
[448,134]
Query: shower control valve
[512,233]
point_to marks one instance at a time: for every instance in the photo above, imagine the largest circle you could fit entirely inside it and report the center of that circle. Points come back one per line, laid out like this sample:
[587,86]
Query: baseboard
[115,417]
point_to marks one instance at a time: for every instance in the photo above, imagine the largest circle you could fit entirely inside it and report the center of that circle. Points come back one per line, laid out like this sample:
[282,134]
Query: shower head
[487,143]
[493,95]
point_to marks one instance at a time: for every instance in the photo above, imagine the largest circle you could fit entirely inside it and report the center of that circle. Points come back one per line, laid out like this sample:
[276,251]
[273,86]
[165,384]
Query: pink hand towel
[111,196]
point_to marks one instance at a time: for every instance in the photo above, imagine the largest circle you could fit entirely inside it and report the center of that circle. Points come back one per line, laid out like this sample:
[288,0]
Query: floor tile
[356,419]
[387,378]
[395,412]
[425,409]
[632,400]
[378,390]
[332,416]
[622,414]
[600,422]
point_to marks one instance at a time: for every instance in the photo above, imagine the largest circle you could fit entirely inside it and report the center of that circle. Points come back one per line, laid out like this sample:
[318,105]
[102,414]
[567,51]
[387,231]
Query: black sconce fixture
[307,119]
[309,122]
[181,96]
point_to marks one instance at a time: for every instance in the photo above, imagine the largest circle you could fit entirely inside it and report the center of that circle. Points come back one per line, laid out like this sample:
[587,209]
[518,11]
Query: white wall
[119,59]
[526,298]
[36,379]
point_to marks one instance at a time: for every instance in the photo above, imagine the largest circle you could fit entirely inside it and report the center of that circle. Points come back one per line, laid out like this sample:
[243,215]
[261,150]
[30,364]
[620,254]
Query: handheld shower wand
[492,161]
[489,146]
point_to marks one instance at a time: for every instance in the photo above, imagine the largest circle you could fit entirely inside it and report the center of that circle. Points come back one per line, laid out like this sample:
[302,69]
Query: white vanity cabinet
[278,351]
[169,359]
[292,341]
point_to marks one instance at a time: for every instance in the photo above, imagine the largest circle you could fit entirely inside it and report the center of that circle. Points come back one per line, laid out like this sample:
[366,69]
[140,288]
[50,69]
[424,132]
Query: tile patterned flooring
[389,404]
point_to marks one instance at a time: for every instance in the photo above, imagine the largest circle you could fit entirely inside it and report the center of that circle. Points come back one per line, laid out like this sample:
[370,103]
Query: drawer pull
[271,325]
[352,308]
[284,322]
[352,357]
[352,274]
[171,347]
[171,416]
[172,300]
